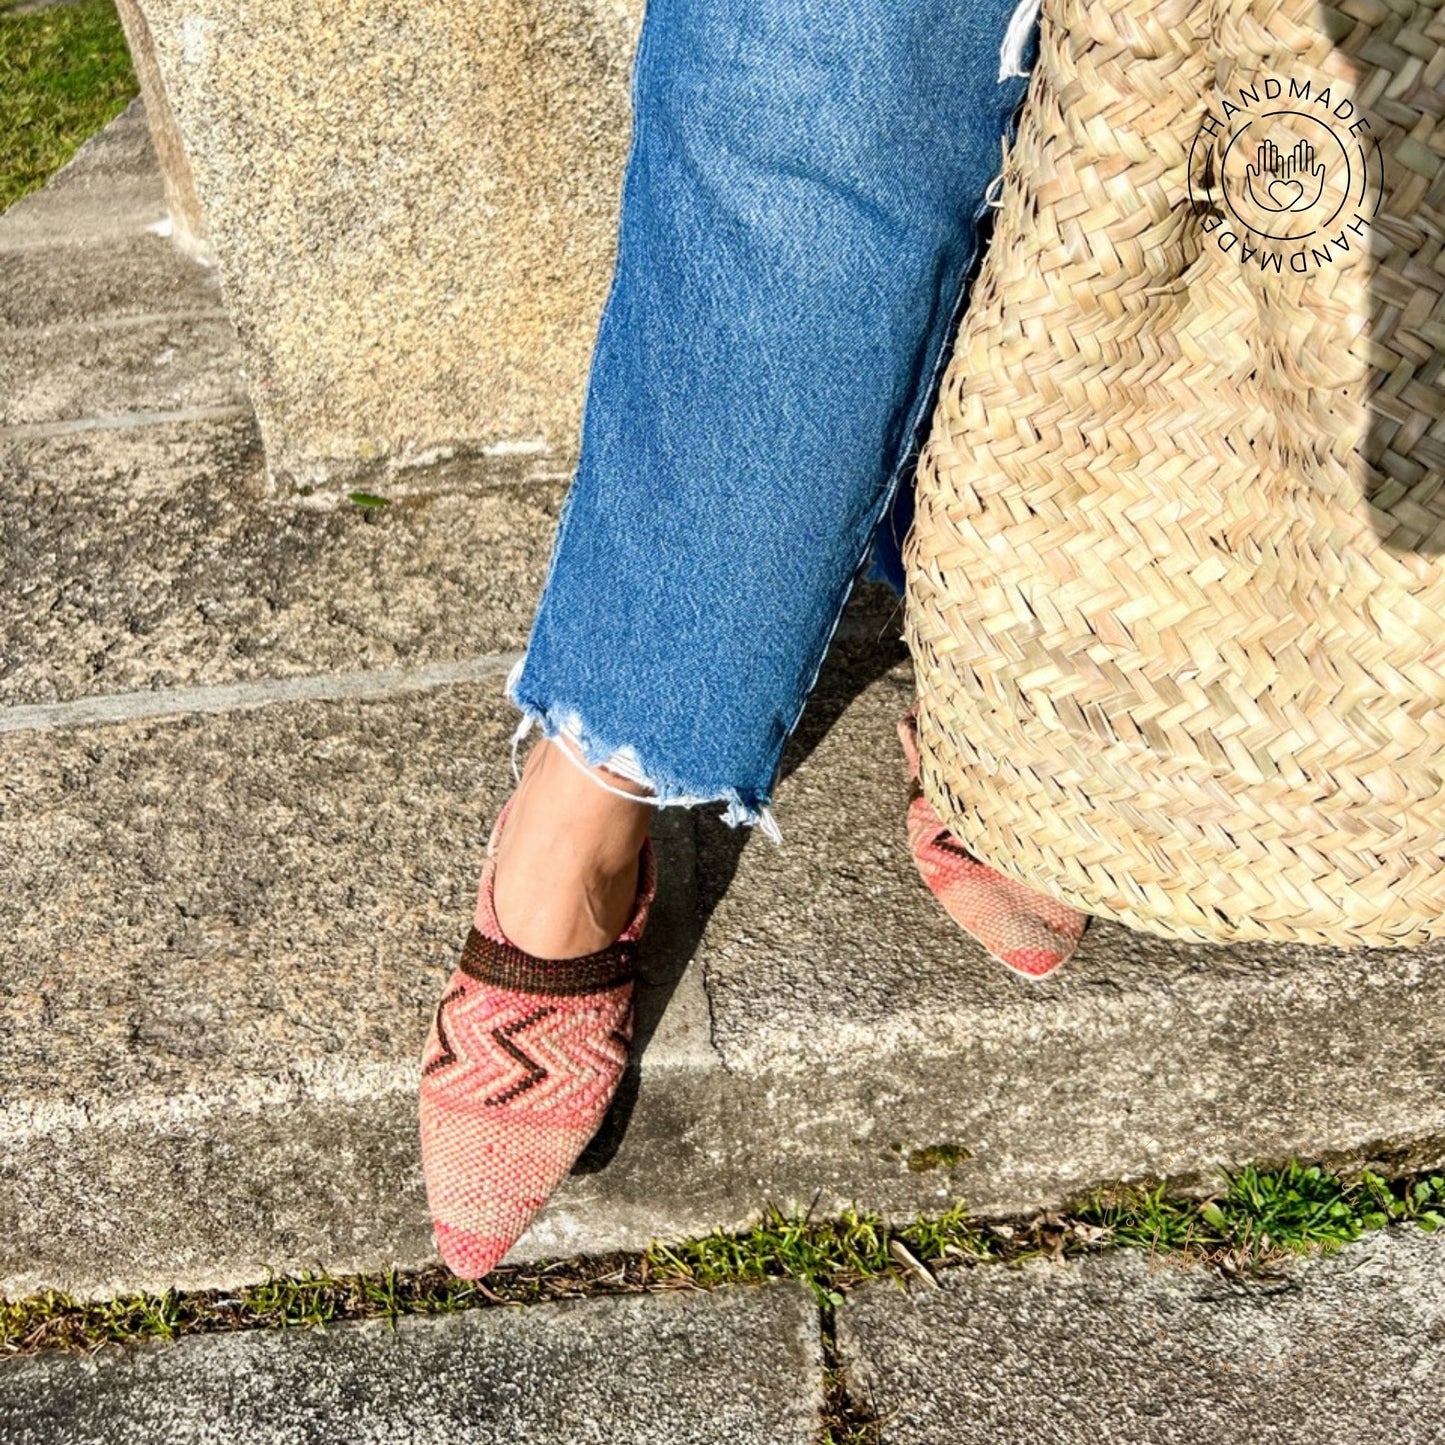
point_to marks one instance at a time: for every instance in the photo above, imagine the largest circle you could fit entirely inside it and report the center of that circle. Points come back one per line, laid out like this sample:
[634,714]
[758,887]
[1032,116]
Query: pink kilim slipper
[1029,932]
[521,1062]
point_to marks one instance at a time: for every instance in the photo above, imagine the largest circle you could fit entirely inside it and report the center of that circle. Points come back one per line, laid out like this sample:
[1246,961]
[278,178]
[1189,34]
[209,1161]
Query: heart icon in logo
[1285,194]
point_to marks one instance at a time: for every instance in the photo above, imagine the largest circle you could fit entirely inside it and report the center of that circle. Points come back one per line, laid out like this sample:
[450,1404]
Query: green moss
[937,1156]
[64,72]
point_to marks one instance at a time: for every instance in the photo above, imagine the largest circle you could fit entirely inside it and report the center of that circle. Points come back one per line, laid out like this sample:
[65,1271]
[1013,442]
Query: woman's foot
[1031,933]
[566,866]
[531,1035]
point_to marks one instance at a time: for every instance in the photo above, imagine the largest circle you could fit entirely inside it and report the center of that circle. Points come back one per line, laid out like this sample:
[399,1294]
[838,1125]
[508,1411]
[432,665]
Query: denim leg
[799,213]
[1017,56]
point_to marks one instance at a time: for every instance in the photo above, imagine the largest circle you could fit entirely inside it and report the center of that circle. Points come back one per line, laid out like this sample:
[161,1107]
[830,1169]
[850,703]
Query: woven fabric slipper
[1028,931]
[520,1065]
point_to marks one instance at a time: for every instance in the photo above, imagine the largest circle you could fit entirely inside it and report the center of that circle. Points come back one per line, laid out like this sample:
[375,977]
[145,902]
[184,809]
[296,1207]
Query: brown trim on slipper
[503,966]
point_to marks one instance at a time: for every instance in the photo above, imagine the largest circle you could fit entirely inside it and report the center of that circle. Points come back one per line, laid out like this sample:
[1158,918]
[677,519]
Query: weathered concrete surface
[161,364]
[413,210]
[100,284]
[1348,1348]
[741,1367]
[152,558]
[202,897]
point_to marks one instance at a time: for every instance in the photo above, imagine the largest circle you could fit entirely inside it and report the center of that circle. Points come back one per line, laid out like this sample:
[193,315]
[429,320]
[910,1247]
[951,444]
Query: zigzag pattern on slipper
[521,1062]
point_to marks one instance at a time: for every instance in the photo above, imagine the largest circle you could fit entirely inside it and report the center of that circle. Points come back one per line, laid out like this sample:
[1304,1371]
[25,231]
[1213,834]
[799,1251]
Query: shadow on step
[867,646]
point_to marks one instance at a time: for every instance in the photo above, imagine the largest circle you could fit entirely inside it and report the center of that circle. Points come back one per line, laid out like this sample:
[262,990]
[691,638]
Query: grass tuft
[1256,1218]
[1262,1216]
[64,73]
[822,1255]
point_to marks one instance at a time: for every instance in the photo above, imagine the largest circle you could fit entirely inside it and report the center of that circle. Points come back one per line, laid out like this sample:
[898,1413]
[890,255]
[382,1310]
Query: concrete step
[1348,1348]
[151,558]
[51,375]
[227,932]
[741,1367]
[252,751]
[100,282]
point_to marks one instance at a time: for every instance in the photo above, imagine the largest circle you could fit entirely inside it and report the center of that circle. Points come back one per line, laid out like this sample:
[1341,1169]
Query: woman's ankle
[565,872]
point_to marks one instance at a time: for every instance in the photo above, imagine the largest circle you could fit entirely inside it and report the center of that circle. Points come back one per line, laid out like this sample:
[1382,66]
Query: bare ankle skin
[566,866]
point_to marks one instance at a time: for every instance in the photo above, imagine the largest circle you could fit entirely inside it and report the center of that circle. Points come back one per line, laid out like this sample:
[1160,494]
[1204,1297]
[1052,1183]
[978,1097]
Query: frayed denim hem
[742,811]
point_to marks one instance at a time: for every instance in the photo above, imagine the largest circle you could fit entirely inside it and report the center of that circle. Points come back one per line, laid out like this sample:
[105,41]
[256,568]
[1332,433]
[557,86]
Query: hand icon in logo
[1291,182]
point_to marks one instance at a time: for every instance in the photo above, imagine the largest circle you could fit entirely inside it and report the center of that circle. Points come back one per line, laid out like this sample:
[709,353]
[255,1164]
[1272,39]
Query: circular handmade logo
[1286,178]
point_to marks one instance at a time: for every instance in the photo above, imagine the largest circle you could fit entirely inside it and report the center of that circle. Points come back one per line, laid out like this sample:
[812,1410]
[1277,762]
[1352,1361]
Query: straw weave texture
[1176,580]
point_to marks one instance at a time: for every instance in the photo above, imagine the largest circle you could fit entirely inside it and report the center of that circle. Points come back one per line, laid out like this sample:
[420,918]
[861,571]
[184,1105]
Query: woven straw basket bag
[1176,579]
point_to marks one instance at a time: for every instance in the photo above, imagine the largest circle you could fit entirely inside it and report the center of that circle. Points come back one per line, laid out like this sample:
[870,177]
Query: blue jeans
[799,219]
